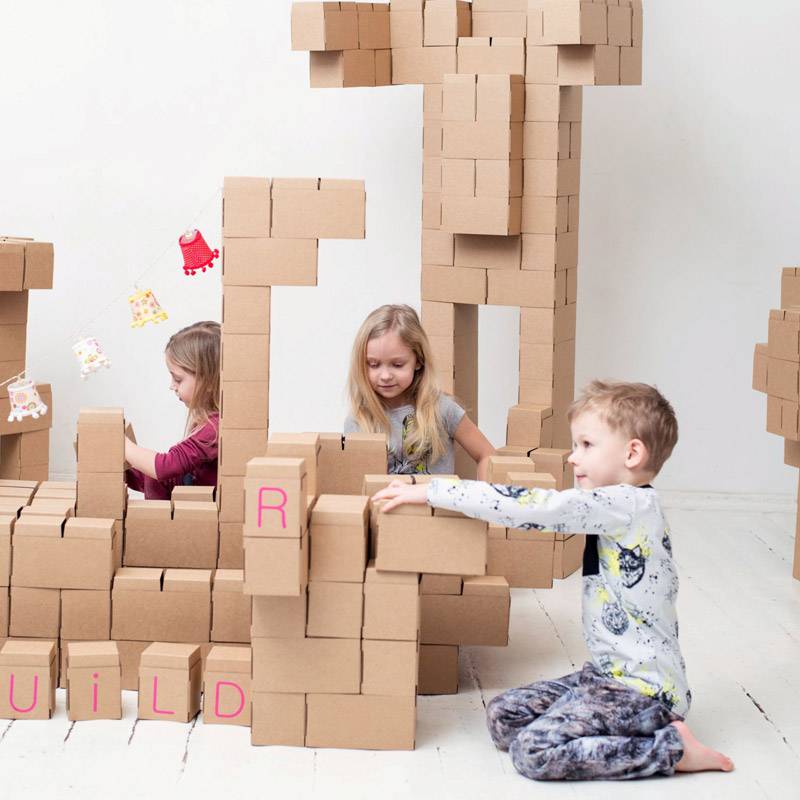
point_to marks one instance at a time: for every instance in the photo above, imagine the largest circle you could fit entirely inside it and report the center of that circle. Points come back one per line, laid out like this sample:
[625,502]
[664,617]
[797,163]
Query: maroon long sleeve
[196,456]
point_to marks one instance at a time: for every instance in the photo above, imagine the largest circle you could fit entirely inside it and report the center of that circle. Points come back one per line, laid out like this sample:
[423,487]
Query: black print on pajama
[665,541]
[614,618]
[631,565]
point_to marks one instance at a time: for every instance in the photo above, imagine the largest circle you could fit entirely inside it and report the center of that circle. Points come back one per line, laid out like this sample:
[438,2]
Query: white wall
[119,122]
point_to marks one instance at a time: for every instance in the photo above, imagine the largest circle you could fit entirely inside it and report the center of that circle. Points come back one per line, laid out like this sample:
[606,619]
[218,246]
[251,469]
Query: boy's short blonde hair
[638,410]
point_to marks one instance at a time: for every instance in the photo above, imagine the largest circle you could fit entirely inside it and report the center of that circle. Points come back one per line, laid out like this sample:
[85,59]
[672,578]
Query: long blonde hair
[427,434]
[196,349]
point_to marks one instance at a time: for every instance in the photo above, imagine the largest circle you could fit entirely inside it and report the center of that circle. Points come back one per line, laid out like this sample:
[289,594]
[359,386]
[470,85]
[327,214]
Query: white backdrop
[120,121]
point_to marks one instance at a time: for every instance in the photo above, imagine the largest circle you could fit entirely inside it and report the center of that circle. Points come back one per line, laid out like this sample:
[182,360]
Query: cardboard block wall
[501,146]
[776,373]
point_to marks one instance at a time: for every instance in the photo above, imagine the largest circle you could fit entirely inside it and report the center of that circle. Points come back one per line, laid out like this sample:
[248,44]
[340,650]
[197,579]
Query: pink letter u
[33,702]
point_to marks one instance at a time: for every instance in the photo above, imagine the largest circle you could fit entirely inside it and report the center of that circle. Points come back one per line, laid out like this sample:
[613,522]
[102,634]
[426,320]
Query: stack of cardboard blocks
[270,232]
[776,372]
[24,445]
[501,164]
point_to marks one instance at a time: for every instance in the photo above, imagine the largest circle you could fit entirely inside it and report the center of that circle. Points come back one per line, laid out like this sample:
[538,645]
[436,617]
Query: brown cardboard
[335,609]
[246,309]
[440,584]
[86,614]
[170,682]
[367,722]
[533,480]
[101,440]
[546,326]
[307,665]
[335,210]
[438,669]
[245,404]
[278,719]
[101,494]
[342,69]
[479,616]
[499,467]
[554,461]
[497,178]
[454,284]
[405,27]
[226,686]
[12,266]
[94,681]
[83,558]
[489,138]
[339,538]
[276,497]
[34,613]
[279,617]
[33,668]
[245,356]
[389,668]
[530,425]
[343,461]
[50,507]
[526,288]
[568,556]
[438,247]
[446,545]
[231,546]
[230,607]
[587,65]
[574,22]
[548,103]
[143,611]
[620,25]
[298,445]
[261,262]
[276,567]
[324,26]
[551,177]
[550,251]
[245,207]
[523,563]
[445,21]
[391,605]
[630,66]
[491,56]
[422,64]
[374,31]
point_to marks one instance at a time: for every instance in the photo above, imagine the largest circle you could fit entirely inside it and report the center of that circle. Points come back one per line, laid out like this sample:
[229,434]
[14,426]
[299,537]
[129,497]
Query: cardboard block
[568,556]
[530,425]
[784,334]
[491,56]
[445,21]
[500,98]
[498,216]
[245,405]
[523,563]
[479,616]
[12,342]
[230,607]
[550,251]
[200,494]
[422,64]
[13,305]
[34,613]
[589,65]
[630,66]
[276,497]
[620,25]
[245,356]
[12,266]
[307,665]
[86,614]
[441,584]
[458,98]
[48,507]
[499,23]
[170,682]
[262,262]
[454,284]
[342,69]
[760,368]
[499,467]
[498,179]
[324,26]
[438,247]
[230,499]
[226,686]
[7,522]
[389,668]
[129,656]
[366,722]
[438,669]
[231,545]
[458,177]
[29,670]
[552,177]
[279,617]
[278,719]
[554,461]
[344,460]
[485,139]
[550,103]
[783,379]
[406,27]
[526,288]
[145,610]
[275,567]
[574,22]
[101,494]
[298,445]
[81,558]
[334,210]
[790,287]
[246,309]
[446,545]
[94,681]
[374,29]
[335,609]
[246,207]
[101,440]
[431,176]
[339,538]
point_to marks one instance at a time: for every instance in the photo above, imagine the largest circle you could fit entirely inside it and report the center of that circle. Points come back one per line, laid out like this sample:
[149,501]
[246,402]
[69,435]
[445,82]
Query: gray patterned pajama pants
[584,726]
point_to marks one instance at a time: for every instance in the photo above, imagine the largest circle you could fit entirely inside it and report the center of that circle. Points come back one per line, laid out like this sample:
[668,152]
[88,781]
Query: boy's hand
[398,493]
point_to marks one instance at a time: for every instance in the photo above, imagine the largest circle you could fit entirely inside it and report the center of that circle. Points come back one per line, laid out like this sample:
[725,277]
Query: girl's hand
[398,493]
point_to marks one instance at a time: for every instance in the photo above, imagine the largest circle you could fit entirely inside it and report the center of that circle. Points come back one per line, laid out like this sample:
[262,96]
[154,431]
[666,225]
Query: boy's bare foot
[696,756]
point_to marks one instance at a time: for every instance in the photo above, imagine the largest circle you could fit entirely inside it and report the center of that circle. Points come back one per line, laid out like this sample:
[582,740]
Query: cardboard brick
[411,65]
[440,584]
[527,288]
[230,607]
[101,440]
[226,686]
[551,177]
[568,556]
[7,522]
[261,262]
[342,69]
[245,405]
[574,22]
[453,284]
[630,66]
[12,266]
[374,29]
[368,722]
[335,609]
[446,545]
[486,139]
[246,309]
[760,368]
[279,617]
[237,447]
[34,613]
[245,356]
[324,26]
[438,247]
[335,210]
[445,21]
[499,467]
[406,27]
[307,665]
[94,681]
[438,669]
[4,611]
[278,719]
[491,56]
[554,461]
[298,445]
[246,207]
[231,545]
[530,425]
[498,179]
[170,682]
[339,538]
[389,668]
[276,497]
[523,563]
[230,499]
[275,567]
[86,614]
[33,668]
[481,215]
[499,23]
[588,65]
[101,494]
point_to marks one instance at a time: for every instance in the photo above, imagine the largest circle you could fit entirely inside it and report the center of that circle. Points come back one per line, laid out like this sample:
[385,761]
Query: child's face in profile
[391,365]
[182,382]
[600,456]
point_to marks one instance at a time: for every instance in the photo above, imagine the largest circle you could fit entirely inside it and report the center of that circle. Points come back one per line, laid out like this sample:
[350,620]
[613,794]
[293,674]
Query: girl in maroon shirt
[193,360]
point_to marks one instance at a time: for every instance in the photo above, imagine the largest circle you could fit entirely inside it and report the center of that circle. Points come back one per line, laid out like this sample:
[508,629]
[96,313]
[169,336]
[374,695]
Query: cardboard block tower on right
[501,166]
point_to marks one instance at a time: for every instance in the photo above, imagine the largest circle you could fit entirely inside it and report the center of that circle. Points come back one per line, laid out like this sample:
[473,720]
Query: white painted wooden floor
[740,628]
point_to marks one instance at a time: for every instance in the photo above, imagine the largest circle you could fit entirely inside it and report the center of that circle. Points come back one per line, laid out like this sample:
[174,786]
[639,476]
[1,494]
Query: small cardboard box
[86,614]
[226,686]
[275,567]
[307,665]
[454,284]
[261,263]
[438,247]
[101,494]
[335,609]
[389,668]
[422,64]
[575,22]
[339,526]
[438,669]
[12,266]
[30,671]
[391,605]
[170,682]
[81,558]
[440,584]
[374,29]
[298,445]
[101,440]
[568,556]
[246,207]
[488,252]
[530,425]
[364,722]
[278,719]
[333,210]
[498,216]
[246,309]
[551,177]
[245,357]
[446,545]
[445,21]
[342,69]
[406,28]
[498,23]
[491,56]
[324,26]
[487,139]
[279,617]
[589,65]
[94,681]
[276,497]
[523,563]
[555,461]
[171,605]
[245,404]
[526,288]
[479,616]
[231,545]
[230,607]
[34,613]
[344,460]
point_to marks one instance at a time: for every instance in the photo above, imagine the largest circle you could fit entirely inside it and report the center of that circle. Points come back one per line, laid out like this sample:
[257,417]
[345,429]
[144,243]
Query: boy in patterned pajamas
[621,716]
